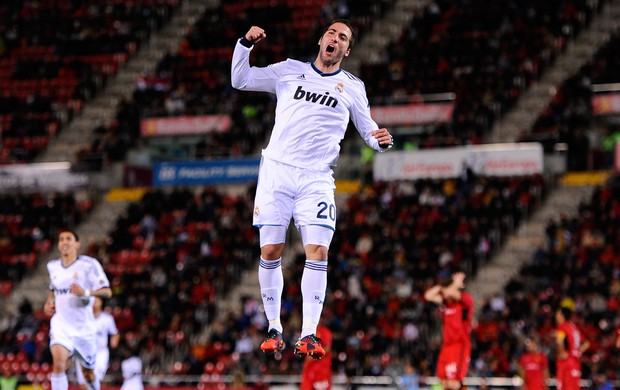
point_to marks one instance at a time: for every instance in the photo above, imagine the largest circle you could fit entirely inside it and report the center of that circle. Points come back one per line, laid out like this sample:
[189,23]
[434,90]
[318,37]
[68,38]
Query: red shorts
[317,374]
[568,374]
[453,361]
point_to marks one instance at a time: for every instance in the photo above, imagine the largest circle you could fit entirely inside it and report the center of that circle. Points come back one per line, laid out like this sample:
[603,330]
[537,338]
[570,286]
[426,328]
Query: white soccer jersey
[132,373]
[313,109]
[106,327]
[75,314]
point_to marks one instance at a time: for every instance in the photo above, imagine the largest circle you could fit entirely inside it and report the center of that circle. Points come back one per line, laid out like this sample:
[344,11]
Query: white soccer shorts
[101,366]
[284,192]
[85,347]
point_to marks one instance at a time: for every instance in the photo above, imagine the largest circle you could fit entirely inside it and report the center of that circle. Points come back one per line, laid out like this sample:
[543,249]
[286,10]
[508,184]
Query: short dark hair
[348,23]
[445,281]
[77,238]
[567,313]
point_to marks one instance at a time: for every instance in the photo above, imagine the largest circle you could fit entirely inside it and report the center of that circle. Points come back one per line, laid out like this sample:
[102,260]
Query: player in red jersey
[457,308]
[570,344]
[317,374]
[533,366]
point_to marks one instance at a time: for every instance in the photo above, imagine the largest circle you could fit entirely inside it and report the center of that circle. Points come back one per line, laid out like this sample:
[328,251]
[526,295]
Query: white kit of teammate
[74,317]
[107,335]
[132,373]
[74,280]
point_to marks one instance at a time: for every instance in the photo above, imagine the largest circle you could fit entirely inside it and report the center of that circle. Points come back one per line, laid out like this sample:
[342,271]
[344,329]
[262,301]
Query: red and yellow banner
[413,114]
[185,125]
[606,104]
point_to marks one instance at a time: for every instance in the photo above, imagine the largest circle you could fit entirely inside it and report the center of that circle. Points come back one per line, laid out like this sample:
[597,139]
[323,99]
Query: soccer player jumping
[315,101]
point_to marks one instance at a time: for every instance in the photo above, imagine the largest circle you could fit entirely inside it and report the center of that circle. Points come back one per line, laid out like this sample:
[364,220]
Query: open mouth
[330,49]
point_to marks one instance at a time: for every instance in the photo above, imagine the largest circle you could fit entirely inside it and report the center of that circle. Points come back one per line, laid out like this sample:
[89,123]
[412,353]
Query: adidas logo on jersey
[313,97]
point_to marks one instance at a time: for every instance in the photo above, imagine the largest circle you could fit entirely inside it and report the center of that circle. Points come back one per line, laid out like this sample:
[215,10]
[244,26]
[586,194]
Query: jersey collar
[322,73]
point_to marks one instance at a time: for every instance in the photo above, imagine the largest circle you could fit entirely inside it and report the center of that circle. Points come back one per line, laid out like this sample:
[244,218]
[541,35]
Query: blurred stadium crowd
[174,253]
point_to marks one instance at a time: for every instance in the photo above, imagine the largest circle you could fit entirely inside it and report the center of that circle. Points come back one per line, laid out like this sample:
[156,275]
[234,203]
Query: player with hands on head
[570,344]
[74,281]
[315,101]
[457,309]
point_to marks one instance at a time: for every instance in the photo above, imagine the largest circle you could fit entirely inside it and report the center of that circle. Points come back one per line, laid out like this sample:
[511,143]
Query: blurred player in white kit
[131,367]
[74,280]
[107,337]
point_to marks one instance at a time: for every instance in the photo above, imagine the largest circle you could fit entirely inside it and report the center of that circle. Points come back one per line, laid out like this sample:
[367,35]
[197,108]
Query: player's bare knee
[57,369]
[315,252]
[272,251]
[59,366]
[272,239]
[316,240]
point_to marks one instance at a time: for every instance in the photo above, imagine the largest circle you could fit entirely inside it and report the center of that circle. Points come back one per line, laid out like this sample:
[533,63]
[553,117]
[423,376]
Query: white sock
[271,283]
[59,381]
[313,287]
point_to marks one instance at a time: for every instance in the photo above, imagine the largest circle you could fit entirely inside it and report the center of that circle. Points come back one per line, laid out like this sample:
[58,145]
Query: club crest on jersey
[313,97]
[339,87]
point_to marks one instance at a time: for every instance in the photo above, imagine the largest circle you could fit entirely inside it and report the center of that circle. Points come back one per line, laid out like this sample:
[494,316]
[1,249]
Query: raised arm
[453,290]
[246,77]
[434,294]
[438,293]
[255,34]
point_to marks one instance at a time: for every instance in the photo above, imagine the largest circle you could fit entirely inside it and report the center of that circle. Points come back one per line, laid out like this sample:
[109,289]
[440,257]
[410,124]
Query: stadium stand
[576,266]
[570,113]
[168,258]
[485,52]
[28,227]
[180,84]
[391,244]
[57,55]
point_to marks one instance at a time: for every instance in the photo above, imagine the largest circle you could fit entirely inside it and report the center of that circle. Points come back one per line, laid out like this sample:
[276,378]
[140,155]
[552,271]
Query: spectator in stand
[533,366]
[457,308]
[74,279]
[410,378]
[8,380]
[610,140]
[570,344]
